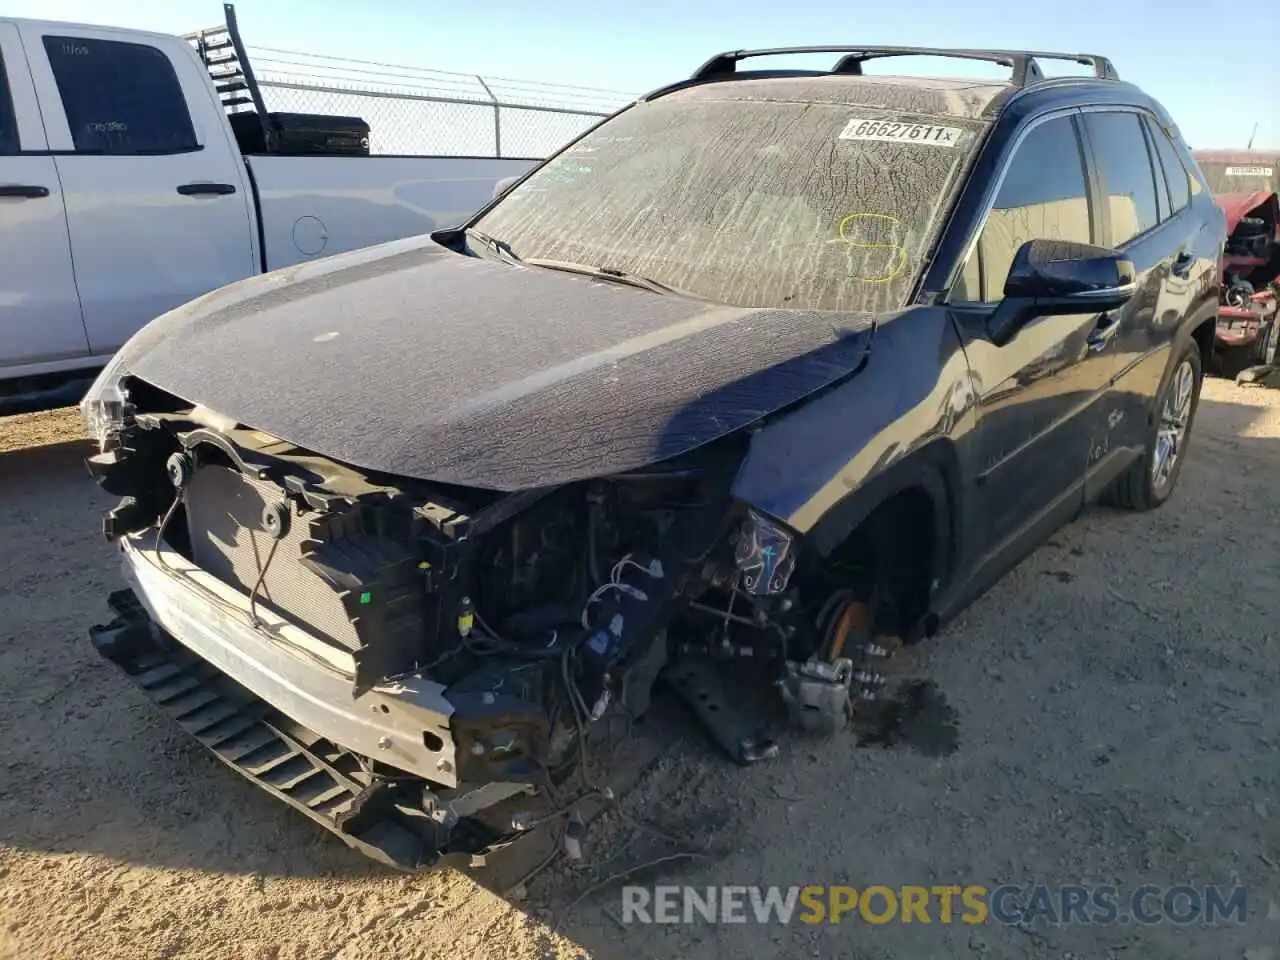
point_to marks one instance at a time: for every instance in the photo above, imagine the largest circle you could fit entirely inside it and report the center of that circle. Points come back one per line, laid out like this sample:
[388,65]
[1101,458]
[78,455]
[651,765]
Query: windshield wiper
[499,248]
[610,273]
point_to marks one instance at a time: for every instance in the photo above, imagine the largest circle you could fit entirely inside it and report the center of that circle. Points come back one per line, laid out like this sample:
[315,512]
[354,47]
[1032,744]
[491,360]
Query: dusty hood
[412,360]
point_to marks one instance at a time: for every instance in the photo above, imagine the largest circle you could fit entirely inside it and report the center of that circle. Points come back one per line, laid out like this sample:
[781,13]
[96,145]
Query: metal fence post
[497,118]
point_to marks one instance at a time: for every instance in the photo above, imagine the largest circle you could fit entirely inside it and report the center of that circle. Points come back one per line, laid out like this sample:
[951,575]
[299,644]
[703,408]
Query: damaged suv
[781,367]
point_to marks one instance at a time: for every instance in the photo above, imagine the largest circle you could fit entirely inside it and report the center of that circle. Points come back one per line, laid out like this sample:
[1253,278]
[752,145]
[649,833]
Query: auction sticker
[1250,171]
[896,131]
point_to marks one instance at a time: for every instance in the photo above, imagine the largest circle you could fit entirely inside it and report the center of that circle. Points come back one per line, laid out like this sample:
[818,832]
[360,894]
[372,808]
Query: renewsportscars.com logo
[1008,904]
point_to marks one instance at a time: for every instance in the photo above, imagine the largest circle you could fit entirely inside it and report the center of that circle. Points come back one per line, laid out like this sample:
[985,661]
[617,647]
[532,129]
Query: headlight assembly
[105,406]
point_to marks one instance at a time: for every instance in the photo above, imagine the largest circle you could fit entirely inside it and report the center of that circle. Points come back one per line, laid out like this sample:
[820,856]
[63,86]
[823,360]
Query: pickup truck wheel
[1150,482]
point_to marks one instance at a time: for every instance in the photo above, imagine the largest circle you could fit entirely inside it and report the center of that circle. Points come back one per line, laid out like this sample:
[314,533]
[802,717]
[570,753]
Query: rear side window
[120,98]
[1124,166]
[8,123]
[1175,174]
[1043,197]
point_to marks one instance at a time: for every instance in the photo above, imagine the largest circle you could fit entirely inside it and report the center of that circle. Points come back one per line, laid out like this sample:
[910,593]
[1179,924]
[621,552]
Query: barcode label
[896,131]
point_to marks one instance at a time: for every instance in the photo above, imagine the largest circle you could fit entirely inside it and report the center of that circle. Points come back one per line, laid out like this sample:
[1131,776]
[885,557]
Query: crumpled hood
[409,359]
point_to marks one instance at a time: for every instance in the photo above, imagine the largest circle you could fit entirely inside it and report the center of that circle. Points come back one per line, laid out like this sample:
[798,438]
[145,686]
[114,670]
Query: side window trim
[992,193]
[1140,113]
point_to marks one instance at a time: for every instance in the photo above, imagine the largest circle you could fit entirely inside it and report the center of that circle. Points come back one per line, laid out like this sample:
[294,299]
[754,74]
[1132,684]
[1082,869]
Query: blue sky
[1181,51]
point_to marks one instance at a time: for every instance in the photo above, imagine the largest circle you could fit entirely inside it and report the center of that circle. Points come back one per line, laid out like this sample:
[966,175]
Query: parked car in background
[772,368]
[139,171]
[1246,184]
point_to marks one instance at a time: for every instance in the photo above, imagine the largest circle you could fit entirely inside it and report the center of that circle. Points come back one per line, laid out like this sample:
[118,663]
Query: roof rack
[224,56]
[1026,69]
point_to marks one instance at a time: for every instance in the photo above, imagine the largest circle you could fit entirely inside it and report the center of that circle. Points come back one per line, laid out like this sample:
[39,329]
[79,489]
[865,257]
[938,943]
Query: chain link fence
[416,111]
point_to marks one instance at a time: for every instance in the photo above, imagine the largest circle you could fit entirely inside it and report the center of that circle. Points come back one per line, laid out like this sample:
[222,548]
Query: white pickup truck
[124,192]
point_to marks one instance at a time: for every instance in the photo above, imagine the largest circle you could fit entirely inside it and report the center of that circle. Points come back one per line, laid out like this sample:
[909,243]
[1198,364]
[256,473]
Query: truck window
[120,98]
[8,123]
[1124,165]
[1043,197]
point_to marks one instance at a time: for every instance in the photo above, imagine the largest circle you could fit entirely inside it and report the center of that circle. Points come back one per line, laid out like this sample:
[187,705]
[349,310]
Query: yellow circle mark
[900,255]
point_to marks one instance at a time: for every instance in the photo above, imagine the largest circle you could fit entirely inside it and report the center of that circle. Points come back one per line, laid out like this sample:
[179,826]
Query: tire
[1139,488]
[1269,341]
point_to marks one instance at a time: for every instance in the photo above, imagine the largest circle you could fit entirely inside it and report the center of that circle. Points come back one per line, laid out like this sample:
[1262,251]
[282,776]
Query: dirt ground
[1114,699]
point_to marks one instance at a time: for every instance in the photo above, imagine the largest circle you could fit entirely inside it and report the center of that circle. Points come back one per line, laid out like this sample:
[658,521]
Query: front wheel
[1150,481]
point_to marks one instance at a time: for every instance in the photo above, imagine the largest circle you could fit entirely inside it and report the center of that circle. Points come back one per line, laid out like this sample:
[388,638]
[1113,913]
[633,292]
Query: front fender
[897,424]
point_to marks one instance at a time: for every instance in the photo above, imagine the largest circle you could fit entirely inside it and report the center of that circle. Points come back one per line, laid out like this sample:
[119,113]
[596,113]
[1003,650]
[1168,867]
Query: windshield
[752,203]
[1246,177]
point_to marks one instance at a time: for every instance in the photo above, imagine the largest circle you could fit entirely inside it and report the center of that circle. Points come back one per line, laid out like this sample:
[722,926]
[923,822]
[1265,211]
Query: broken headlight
[104,406]
[765,554]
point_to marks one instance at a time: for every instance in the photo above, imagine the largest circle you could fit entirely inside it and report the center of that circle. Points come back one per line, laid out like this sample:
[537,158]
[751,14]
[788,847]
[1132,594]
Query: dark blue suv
[777,368]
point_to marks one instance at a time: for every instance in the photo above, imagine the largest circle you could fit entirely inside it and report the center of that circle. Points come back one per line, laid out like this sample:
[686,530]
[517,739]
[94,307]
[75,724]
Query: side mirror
[501,186]
[1058,276]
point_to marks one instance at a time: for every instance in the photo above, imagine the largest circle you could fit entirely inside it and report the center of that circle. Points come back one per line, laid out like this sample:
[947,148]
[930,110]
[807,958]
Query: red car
[1246,185]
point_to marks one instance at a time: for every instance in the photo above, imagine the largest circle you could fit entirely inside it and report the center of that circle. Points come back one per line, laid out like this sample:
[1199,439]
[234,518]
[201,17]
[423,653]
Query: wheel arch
[928,479]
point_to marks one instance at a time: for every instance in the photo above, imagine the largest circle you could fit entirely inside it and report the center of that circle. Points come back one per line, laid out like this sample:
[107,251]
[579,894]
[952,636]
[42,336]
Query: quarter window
[1175,174]
[120,98]
[1043,197]
[1124,167]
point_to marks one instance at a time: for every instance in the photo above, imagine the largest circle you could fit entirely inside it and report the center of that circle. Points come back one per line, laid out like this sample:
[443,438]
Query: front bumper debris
[313,775]
[404,724]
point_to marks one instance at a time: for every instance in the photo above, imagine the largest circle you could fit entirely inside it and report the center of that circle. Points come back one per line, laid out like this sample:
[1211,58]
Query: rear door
[155,191]
[1148,217]
[40,323]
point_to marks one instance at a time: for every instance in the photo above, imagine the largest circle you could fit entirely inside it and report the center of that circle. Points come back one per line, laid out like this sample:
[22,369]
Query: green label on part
[366,598]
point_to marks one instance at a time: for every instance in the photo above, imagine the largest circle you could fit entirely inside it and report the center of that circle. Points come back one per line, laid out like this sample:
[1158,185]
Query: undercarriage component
[700,684]
[817,694]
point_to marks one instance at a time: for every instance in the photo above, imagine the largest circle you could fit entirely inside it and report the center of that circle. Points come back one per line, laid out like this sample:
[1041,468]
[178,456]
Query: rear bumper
[1237,327]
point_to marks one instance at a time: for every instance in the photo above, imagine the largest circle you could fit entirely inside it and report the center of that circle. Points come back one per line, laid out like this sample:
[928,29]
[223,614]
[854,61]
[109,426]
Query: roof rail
[224,56]
[1026,69]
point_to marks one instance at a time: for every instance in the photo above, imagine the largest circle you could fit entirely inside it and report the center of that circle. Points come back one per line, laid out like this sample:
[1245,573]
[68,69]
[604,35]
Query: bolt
[477,748]
[444,765]
[384,743]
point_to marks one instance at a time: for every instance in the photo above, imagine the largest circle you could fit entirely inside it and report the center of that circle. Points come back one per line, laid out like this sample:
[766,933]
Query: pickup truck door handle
[206,189]
[1181,267]
[1101,334]
[23,191]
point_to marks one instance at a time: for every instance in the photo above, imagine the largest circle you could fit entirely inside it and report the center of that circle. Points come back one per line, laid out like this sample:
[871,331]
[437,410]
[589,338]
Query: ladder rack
[223,54]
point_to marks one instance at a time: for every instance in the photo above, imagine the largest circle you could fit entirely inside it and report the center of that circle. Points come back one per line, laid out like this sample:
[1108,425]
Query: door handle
[1105,329]
[206,189]
[1182,263]
[23,191]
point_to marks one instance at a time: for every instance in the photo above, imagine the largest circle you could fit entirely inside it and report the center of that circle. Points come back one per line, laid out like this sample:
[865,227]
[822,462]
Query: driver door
[1039,393]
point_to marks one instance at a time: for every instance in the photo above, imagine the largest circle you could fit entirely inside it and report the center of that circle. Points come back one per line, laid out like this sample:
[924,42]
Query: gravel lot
[1114,698]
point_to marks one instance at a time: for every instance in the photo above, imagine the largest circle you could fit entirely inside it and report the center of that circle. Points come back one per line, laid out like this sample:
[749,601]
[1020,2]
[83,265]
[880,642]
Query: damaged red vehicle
[1246,184]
